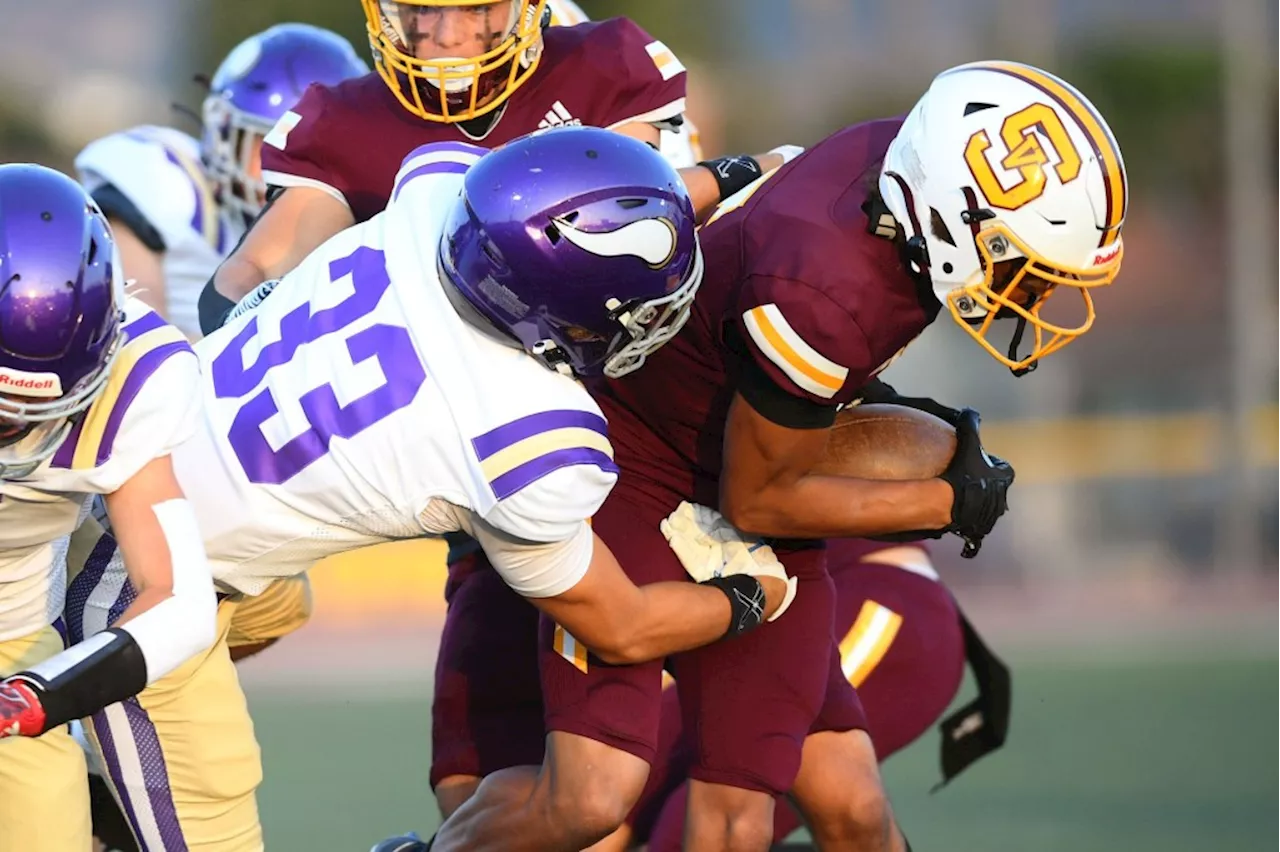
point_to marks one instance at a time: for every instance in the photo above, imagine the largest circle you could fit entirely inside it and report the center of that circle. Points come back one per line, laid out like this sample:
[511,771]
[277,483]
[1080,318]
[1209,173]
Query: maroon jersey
[350,139]
[797,291]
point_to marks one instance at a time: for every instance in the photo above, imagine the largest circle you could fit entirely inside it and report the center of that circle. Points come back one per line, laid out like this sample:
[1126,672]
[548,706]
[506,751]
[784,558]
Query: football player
[96,392]
[178,205]
[399,384]
[1001,189]
[482,72]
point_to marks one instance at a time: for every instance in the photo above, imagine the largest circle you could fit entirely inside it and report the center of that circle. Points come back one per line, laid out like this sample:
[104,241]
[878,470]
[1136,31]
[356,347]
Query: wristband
[746,599]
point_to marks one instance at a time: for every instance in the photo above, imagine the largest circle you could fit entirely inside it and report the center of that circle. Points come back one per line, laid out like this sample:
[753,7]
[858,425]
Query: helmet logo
[651,240]
[1021,134]
[19,383]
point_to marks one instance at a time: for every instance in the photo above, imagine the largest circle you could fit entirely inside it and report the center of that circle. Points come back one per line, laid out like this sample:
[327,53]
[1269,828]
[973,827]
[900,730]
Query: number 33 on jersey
[355,395]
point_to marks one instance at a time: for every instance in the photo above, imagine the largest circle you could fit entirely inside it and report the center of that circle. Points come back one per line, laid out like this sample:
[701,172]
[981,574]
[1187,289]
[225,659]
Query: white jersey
[149,406]
[355,405]
[160,172]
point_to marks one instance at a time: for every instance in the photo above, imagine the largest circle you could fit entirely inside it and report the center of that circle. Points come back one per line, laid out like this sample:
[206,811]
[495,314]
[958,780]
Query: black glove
[877,392]
[980,482]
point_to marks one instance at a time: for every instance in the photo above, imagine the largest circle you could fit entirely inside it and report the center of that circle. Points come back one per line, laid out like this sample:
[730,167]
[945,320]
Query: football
[888,442]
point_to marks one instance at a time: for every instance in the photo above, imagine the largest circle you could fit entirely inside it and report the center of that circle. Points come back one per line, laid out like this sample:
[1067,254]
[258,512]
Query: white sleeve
[552,507]
[161,176]
[535,569]
[164,414]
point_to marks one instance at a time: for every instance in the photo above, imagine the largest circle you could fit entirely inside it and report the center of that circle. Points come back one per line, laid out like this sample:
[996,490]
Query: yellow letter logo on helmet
[1027,156]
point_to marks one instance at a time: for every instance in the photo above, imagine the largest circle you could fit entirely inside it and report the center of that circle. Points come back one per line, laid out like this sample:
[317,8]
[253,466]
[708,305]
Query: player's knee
[590,814]
[858,813]
[731,819]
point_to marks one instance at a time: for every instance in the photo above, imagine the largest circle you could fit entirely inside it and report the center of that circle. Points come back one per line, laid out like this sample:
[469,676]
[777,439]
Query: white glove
[708,546]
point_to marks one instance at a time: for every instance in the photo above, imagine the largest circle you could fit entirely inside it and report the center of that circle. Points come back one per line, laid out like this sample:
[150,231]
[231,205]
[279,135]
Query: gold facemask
[1025,293]
[451,90]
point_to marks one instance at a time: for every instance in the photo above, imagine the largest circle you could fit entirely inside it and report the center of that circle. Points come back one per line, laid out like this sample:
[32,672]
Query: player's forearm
[671,618]
[835,507]
[237,276]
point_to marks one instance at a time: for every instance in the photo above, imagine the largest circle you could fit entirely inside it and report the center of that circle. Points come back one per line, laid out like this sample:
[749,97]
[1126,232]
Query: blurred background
[1133,584]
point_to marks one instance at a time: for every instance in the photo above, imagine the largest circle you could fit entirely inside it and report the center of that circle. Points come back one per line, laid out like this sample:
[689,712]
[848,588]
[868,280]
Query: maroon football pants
[747,702]
[905,680]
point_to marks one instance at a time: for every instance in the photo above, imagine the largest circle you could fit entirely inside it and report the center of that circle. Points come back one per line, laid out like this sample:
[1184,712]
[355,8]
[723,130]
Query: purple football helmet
[581,244]
[61,295]
[261,79]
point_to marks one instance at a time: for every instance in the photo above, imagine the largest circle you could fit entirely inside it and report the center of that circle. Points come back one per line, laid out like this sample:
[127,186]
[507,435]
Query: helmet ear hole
[553,234]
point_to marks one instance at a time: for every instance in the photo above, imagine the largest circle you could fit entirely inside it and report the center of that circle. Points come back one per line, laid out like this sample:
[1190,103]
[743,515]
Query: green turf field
[1133,756]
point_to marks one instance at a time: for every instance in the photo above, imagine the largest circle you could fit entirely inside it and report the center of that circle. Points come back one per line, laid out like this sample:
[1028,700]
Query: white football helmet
[1009,187]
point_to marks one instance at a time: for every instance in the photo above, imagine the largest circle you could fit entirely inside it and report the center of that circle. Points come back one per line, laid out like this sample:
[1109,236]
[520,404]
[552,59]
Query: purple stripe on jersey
[127,596]
[60,625]
[155,775]
[526,427]
[149,321]
[84,584]
[142,370]
[66,452]
[531,471]
[442,147]
[437,168]
[111,757]
[197,218]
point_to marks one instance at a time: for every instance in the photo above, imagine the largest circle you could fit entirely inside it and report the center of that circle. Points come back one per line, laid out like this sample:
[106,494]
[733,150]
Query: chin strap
[1016,341]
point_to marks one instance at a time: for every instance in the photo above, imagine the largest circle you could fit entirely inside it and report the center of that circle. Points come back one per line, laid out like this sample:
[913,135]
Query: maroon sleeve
[807,344]
[641,78]
[299,150]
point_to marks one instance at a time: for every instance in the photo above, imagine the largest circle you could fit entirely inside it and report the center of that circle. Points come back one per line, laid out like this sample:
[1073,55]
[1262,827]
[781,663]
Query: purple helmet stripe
[531,471]
[438,168]
[525,427]
[142,370]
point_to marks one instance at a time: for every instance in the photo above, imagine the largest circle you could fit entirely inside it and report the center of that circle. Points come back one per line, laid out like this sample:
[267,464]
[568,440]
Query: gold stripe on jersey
[536,446]
[211,219]
[94,427]
[803,364]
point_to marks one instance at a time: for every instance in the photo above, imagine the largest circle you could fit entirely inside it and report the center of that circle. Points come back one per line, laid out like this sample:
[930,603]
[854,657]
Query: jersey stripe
[1100,138]
[866,643]
[569,648]
[205,220]
[664,60]
[803,364]
[525,450]
[148,345]
[434,159]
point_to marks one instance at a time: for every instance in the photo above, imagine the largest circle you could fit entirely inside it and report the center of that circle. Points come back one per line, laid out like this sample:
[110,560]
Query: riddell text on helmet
[43,385]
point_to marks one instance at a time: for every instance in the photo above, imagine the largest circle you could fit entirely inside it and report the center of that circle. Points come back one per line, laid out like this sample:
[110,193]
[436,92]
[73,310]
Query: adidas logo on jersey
[558,116]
